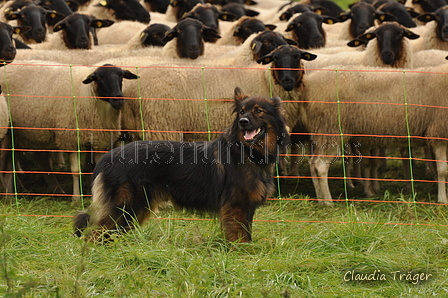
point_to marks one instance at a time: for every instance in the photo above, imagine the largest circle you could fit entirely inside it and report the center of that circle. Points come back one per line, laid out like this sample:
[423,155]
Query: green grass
[290,256]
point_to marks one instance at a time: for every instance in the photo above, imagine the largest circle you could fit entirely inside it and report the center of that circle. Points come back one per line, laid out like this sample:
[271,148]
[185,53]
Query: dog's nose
[244,121]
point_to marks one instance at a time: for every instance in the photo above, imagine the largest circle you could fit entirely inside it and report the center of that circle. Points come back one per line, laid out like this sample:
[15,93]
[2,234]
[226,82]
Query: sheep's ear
[238,95]
[384,17]
[103,3]
[250,2]
[329,20]
[285,16]
[411,35]
[143,37]
[53,15]
[426,17]
[174,3]
[226,16]
[412,12]
[210,34]
[256,46]
[270,27]
[101,23]
[307,56]
[21,29]
[291,42]
[13,15]
[367,36]
[90,78]
[251,13]
[344,17]
[59,26]
[129,75]
[292,26]
[266,59]
[356,43]
[169,35]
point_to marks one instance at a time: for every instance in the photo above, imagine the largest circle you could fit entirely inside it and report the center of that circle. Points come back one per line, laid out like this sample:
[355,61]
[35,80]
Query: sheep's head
[249,25]
[307,29]
[76,30]
[441,17]
[108,81]
[190,34]
[287,68]
[130,10]
[267,41]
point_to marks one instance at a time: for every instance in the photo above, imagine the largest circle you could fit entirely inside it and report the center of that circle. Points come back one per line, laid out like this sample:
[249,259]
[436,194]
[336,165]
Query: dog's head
[260,121]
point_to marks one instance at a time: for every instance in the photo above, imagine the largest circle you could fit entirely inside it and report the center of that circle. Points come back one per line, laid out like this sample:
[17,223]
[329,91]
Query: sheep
[363,84]
[242,29]
[7,43]
[388,46]
[120,32]
[362,16]
[434,35]
[150,36]
[209,15]
[238,10]
[425,6]
[307,30]
[117,10]
[188,109]
[189,35]
[402,14]
[298,8]
[178,8]
[80,99]
[156,5]
[34,17]
[74,33]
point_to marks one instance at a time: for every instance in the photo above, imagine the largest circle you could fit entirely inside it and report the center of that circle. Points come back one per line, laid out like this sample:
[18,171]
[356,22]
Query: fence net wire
[339,171]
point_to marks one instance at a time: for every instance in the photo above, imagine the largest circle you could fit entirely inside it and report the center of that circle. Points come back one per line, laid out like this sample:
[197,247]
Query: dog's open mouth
[253,135]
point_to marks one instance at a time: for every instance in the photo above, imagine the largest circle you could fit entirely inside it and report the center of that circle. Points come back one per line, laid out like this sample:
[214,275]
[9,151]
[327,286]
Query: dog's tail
[81,222]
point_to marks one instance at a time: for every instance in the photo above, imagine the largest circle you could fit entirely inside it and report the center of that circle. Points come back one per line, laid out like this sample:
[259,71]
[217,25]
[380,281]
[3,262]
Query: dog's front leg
[236,221]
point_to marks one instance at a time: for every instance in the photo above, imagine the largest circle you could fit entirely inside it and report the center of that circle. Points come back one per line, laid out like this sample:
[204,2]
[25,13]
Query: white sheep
[381,112]
[64,102]
[394,49]
[429,39]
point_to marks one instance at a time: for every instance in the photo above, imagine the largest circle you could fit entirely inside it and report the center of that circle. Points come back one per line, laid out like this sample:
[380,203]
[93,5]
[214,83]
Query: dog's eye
[258,111]
[241,112]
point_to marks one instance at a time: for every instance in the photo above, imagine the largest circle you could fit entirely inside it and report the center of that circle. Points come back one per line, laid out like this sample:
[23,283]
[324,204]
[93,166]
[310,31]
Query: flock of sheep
[80,77]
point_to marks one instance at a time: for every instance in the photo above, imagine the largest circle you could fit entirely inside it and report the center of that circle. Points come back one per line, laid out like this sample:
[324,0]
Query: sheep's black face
[248,27]
[189,39]
[363,17]
[34,17]
[158,5]
[399,11]
[152,35]
[75,31]
[308,31]
[130,10]
[266,42]
[442,23]
[108,84]
[390,42]
[7,49]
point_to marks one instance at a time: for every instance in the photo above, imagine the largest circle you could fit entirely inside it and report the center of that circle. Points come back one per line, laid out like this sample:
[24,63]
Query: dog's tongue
[250,134]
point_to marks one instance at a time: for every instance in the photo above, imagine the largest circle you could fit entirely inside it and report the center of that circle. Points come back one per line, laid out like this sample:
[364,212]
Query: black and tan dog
[230,176]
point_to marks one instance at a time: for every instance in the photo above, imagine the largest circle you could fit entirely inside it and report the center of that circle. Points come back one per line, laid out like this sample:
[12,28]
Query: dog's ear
[239,95]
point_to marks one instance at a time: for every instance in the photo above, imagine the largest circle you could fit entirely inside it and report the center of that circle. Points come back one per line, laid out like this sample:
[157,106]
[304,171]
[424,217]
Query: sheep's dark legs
[441,157]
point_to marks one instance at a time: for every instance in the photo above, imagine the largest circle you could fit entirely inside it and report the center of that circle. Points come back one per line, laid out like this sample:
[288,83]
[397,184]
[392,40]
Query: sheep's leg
[374,169]
[74,167]
[319,167]
[366,165]
[440,154]
[6,165]
[431,168]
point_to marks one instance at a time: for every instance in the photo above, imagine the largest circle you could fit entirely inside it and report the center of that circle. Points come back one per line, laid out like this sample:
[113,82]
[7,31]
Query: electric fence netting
[195,104]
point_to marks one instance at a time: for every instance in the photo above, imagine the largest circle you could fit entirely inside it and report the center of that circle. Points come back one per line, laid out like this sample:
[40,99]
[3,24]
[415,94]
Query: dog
[230,176]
